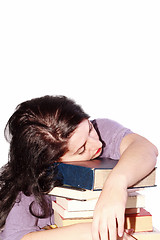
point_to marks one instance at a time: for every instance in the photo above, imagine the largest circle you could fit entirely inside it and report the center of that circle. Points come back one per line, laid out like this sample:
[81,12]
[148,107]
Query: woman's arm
[81,231]
[138,158]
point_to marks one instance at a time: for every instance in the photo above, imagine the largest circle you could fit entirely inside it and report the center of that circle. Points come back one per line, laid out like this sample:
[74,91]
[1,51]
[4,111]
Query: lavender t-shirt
[20,221]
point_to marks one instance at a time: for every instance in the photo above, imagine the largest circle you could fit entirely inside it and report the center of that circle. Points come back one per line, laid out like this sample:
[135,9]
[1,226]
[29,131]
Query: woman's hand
[109,211]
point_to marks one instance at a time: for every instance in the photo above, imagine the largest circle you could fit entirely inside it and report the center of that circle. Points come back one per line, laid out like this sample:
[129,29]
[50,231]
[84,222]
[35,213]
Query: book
[85,213]
[71,214]
[80,194]
[77,205]
[153,235]
[139,222]
[92,174]
[74,193]
[135,200]
[132,210]
[61,222]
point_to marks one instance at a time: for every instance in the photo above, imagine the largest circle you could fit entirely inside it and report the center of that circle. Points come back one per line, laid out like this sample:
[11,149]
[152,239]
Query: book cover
[89,174]
[92,174]
[135,200]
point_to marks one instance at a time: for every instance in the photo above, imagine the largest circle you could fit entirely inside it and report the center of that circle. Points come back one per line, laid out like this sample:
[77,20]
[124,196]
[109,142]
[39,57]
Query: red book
[139,222]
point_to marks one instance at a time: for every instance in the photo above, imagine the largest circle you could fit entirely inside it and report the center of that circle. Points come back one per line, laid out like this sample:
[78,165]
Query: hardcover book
[139,222]
[74,193]
[92,174]
[135,200]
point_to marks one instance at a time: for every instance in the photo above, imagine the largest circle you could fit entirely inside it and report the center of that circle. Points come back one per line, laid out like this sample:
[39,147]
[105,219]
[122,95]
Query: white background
[103,54]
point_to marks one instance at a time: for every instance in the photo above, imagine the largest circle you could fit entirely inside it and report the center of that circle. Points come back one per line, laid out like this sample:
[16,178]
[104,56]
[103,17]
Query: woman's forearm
[77,231]
[138,158]
[80,231]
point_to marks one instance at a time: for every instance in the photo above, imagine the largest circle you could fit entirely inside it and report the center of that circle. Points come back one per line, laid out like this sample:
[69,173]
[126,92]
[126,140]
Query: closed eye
[82,150]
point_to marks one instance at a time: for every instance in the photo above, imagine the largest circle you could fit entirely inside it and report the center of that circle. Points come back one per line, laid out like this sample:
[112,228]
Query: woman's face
[84,144]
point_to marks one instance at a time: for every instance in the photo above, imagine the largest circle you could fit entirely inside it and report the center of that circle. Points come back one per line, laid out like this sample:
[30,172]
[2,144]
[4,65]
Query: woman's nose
[94,143]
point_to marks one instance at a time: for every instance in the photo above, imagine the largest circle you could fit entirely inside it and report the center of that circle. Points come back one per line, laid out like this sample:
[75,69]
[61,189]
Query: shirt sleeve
[111,134]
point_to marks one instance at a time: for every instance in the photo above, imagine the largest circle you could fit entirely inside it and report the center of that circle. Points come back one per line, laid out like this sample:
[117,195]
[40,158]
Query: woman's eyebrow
[90,126]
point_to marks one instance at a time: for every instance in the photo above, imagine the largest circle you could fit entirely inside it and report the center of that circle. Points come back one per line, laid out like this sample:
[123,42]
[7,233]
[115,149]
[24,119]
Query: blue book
[91,174]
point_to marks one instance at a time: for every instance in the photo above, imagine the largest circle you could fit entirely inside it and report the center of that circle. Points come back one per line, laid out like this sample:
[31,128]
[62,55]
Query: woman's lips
[98,151]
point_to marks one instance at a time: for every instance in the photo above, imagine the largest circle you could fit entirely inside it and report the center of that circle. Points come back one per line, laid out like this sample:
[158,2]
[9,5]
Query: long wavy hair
[38,132]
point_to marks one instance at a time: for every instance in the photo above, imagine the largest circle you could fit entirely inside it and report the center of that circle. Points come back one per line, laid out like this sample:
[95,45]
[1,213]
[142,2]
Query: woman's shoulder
[111,134]
[109,128]
[20,221]
[105,123]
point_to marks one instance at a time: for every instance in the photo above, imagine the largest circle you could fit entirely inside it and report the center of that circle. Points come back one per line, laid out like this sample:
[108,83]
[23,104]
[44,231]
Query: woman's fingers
[108,219]
[120,222]
[95,228]
[104,225]
[112,231]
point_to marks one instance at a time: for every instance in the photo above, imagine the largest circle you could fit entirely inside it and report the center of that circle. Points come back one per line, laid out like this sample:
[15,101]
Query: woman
[54,128]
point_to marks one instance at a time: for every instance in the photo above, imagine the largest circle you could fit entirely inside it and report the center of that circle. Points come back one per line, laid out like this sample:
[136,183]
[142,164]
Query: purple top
[20,221]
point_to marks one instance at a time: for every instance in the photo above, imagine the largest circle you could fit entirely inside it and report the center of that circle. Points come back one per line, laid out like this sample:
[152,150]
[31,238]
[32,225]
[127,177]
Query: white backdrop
[104,54]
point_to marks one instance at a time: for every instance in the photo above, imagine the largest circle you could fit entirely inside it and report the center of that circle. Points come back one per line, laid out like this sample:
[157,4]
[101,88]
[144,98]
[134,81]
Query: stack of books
[82,184]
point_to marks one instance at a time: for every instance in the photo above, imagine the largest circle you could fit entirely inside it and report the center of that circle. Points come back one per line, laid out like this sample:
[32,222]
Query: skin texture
[84,144]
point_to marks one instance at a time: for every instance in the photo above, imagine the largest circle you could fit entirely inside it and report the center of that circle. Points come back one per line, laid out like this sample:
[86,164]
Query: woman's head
[39,131]
[42,131]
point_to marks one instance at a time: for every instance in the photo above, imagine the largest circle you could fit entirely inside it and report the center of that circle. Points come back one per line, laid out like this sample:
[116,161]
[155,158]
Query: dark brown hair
[38,132]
